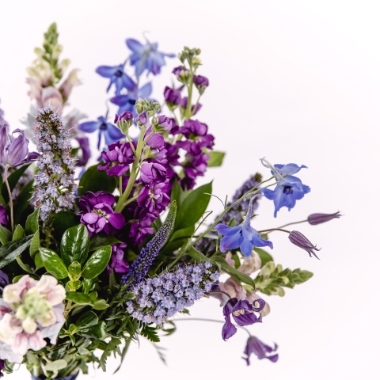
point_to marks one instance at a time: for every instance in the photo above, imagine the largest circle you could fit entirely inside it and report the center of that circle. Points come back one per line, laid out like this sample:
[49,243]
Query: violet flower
[172,97]
[3,216]
[289,189]
[84,146]
[152,172]
[260,349]
[146,57]
[154,197]
[110,132]
[243,236]
[243,314]
[97,213]
[127,102]
[117,77]
[303,242]
[118,264]
[200,81]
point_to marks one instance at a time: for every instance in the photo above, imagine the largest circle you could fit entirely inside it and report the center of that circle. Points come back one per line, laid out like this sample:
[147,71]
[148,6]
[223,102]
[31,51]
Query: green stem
[10,195]
[273,229]
[188,113]
[123,198]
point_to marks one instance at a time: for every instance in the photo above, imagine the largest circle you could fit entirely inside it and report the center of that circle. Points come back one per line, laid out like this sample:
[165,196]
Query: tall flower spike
[54,183]
[141,265]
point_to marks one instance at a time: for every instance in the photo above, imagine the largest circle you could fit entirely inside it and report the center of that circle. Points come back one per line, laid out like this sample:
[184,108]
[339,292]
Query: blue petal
[145,91]
[112,134]
[120,100]
[134,45]
[231,241]
[106,71]
[89,126]
[289,169]
[226,230]
[268,193]
[258,241]
[128,83]
[246,247]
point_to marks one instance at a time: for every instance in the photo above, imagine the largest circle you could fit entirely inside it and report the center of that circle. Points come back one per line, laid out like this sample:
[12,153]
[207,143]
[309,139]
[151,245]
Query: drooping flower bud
[303,242]
[315,219]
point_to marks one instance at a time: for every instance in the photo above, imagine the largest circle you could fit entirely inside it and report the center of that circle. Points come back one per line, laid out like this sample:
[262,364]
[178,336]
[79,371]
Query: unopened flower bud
[303,242]
[315,219]
[172,97]
[124,121]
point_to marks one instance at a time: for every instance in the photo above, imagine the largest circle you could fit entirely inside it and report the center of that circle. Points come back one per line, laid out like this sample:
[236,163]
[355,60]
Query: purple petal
[145,91]
[90,218]
[117,220]
[134,45]
[89,126]
[106,71]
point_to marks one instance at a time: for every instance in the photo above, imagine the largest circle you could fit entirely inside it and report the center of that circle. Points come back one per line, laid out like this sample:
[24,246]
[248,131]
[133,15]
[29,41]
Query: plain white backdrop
[294,81]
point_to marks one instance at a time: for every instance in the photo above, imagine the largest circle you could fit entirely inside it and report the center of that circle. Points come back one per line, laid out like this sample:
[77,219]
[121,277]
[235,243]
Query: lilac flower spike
[303,242]
[117,77]
[243,236]
[108,130]
[260,349]
[289,189]
[146,57]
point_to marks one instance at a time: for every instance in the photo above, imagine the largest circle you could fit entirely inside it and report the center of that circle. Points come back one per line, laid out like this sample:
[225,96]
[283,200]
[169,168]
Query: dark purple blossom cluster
[156,299]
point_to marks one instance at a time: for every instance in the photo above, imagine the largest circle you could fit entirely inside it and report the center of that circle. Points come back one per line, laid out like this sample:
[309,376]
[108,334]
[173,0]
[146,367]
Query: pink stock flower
[13,293]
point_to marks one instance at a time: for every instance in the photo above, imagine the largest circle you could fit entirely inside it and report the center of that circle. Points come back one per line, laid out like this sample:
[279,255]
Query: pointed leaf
[31,225]
[35,244]
[75,244]
[216,159]
[95,180]
[97,262]
[264,256]
[79,298]
[18,233]
[53,263]
[5,235]
[11,250]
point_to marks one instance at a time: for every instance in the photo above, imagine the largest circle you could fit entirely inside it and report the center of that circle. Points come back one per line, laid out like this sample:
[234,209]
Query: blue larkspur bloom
[243,236]
[117,77]
[289,189]
[146,57]
[110,132]
[127,102]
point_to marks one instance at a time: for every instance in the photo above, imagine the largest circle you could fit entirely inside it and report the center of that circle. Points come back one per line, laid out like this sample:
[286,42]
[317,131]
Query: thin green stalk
[188,113]
[10,196]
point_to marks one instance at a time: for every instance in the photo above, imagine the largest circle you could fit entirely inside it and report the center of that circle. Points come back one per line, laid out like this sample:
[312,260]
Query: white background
[294,81]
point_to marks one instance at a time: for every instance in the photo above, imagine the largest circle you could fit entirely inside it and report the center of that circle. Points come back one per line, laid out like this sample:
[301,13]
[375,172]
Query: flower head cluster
[159,298]
[55,187]
[30,311]
[97,213]
[289,189]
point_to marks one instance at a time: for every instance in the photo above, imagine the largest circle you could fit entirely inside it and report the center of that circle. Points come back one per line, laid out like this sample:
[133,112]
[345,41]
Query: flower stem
[10,196]
[188,113]
[273,229]
[123,198]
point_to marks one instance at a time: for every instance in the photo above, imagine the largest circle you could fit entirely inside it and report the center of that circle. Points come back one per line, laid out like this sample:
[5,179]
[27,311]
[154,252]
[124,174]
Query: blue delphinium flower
[289,189]
[146,57]
[127,102]
[117,77]
[243,236]
[110,132]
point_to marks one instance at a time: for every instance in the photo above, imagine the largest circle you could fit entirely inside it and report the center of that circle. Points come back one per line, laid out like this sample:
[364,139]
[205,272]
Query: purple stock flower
[243,236]
[3,216]
[243,314]
[141,227]
[154,197]
[110,132]
[152,172]
[172,97]
[127,102]
[84,146]
[197,137]
[124,116]
[260,349]
[194,109]
[14,151]
[200,81]
[117,159]
[194,166]
[97,213]
[117,77]
[118,263]
[289,189]
[146,57]
[303,242]
[165,123]
[315,219]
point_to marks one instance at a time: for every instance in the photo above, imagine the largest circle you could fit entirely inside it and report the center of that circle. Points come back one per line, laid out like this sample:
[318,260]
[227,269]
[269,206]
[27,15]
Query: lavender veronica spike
[141,265]
[54,183]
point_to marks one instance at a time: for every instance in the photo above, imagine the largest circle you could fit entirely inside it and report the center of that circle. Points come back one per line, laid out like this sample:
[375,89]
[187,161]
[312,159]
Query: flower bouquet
[93,257]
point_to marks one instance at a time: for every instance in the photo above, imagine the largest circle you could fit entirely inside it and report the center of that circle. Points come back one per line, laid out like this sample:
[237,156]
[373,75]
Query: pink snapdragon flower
[30,311]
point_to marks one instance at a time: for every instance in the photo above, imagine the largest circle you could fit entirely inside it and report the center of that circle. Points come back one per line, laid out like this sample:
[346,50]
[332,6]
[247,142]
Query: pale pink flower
[24,341]
[67,86]
[9,328]
[51,97]
[49,287]
[14,293]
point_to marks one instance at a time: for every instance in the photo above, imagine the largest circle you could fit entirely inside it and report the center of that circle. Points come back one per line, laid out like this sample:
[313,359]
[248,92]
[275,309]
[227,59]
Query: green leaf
[264,256]
[100,305]
[55,366]
[73,286]
[87,320]
[197,256]
[53,263]
[150,333]
[98,241]
[216,159]
[35,244]
[177,194]
[75,244]
[79,298]
[97,262]
[11,250]
[38,261]
[5,235]
[63,221]
[177,239]
[233,272]
[18,233]
[95,180]
[193,207]
[74,271]
[12,181]
[31,225]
